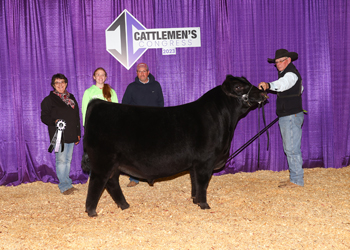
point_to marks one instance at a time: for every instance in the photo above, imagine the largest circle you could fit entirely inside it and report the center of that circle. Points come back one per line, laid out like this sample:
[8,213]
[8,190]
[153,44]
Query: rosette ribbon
[58,137]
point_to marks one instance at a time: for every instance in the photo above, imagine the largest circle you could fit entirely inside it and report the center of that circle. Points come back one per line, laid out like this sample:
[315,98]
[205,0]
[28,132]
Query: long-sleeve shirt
[53,108]
[144,94]
[284,83]
[94,92]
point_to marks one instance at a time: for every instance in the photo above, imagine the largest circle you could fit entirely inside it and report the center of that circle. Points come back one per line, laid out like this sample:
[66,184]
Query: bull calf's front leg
[201,198]
[200,183]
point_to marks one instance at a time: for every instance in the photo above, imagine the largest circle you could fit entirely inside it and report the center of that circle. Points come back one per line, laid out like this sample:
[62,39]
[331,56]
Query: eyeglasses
[281,61]
[60,82]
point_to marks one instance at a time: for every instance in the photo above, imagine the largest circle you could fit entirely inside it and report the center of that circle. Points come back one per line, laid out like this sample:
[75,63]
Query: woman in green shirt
[100,90]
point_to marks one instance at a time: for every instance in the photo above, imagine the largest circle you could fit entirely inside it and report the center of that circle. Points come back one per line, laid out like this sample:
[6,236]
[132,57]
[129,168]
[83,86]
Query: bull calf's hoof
[204,205]
[91,214]
[124,206]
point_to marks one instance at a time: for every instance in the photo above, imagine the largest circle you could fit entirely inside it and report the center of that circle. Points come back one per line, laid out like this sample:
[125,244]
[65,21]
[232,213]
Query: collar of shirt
[145,82]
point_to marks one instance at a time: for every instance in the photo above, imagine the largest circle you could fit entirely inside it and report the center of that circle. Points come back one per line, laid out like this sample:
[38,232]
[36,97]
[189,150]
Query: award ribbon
[58,137]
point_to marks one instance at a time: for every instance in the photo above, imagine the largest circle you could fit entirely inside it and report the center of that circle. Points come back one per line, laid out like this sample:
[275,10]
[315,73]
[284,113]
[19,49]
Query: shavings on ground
[248,211]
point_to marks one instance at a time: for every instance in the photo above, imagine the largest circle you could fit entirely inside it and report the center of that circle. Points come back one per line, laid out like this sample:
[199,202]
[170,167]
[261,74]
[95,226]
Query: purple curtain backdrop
[41,38]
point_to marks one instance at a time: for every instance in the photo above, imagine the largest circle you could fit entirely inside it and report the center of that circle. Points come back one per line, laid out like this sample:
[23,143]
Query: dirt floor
[248,211]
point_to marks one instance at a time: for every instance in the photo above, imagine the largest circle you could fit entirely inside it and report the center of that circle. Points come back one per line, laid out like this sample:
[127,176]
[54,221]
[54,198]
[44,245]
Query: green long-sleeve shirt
[94,92]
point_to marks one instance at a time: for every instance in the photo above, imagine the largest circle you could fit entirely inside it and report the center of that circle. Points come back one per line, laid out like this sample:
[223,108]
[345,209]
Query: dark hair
[58,76]
[106,88]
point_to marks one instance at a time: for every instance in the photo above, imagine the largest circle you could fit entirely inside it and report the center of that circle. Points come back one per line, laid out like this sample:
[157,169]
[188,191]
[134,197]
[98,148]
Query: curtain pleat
[41,38]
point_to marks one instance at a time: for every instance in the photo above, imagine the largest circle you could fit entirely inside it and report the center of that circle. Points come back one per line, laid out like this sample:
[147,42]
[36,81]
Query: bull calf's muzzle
[264,95]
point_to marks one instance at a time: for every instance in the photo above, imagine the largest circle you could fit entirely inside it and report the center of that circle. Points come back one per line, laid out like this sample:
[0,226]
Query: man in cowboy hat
[290,112]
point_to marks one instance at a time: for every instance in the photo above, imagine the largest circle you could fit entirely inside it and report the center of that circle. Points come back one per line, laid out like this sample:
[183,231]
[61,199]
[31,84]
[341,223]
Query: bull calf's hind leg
[113,188]
[193,184]
[96,187]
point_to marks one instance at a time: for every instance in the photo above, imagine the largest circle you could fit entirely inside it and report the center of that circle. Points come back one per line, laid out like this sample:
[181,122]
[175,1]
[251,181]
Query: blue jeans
[63,160]
[133,179]
[290,127]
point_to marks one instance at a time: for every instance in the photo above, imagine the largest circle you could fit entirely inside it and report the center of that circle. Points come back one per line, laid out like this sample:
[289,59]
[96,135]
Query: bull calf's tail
[85,163]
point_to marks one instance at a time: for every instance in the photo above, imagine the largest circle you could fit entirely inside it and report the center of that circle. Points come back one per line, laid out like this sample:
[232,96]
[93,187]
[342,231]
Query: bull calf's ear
[228,84]
[246,80]
[229,77]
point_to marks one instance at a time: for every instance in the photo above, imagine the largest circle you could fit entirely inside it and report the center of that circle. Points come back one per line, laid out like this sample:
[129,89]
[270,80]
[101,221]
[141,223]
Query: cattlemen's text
[165,35]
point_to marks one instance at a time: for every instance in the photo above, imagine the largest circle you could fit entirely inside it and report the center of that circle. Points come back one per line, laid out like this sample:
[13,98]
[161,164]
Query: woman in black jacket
[60,107]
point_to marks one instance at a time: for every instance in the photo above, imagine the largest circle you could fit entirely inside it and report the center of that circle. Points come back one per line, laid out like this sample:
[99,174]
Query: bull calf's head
[241,88]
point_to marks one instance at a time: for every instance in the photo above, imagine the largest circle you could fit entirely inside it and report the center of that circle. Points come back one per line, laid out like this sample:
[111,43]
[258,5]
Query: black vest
[289,102]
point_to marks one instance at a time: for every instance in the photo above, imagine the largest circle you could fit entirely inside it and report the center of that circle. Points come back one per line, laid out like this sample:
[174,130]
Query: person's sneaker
[132,184]
[288,185]
[69,191]
[284,182]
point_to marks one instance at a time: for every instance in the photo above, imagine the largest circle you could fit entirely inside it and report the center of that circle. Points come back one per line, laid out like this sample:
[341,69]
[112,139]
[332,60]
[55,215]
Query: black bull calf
[153,142]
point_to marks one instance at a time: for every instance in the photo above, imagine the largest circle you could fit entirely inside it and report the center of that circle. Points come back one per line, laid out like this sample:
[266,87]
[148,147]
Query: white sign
[127,39]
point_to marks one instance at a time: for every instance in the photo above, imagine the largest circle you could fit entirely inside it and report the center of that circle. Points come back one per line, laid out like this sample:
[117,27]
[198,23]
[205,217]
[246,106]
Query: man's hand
[264,85]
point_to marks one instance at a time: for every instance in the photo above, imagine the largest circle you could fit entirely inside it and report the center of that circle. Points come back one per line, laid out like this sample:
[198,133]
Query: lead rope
[259,136]
[267,132]
[254,138]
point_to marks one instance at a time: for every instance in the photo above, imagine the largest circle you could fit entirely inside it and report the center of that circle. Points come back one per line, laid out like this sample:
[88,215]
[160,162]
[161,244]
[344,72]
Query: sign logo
[127,39]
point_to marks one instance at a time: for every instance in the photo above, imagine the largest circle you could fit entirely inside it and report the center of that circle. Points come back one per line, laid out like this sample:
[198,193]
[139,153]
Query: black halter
[244,97]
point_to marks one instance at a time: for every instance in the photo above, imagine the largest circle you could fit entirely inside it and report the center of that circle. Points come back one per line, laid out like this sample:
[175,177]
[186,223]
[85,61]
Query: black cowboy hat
[283,53]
